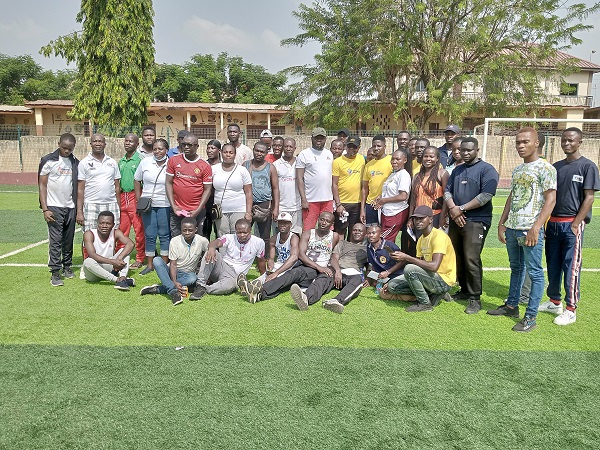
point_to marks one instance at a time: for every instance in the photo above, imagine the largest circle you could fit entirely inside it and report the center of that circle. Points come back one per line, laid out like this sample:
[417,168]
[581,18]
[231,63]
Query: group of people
[337,214]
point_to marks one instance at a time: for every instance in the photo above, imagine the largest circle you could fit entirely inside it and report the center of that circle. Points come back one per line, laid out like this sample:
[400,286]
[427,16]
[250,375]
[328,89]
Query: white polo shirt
[60,182]
[317,167]
[241,256]
[99,177]
[153,178]
[289,198]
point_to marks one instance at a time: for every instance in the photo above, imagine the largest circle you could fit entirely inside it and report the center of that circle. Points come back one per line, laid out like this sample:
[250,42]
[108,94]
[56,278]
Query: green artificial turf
[254,397]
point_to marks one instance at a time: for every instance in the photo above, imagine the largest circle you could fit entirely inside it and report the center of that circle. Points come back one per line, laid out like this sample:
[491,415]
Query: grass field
[86,366]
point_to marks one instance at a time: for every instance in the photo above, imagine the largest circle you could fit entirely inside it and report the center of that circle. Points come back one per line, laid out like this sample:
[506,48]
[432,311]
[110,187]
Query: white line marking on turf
[30,246]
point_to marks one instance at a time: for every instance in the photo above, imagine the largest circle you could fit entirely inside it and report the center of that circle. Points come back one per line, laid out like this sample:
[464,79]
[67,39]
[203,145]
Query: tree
[221,79]
[419,55]
[22,79]
[114,54]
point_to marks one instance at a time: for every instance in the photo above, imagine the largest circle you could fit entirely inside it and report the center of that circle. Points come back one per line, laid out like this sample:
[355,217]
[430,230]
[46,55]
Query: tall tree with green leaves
[420,56]
[114,54]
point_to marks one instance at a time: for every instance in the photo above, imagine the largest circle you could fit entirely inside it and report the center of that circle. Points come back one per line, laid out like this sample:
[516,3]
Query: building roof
[15,109]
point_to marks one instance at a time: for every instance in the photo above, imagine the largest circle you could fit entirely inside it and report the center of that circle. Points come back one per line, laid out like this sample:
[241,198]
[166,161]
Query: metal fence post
[20,147]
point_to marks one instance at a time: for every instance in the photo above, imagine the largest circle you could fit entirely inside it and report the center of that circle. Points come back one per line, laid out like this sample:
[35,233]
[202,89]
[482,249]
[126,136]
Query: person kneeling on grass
[433,272]
[101,262]
[185,252]
[240,251]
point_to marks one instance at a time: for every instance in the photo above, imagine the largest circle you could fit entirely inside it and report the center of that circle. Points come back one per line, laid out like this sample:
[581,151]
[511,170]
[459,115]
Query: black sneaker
[198,293]
[435,299]
[150,290]
[130,282]
[504,310]
[526,324]
[122,285]
[460,295]
[176,297]
[420,307]
[68,273]
[56,280]
[474,306]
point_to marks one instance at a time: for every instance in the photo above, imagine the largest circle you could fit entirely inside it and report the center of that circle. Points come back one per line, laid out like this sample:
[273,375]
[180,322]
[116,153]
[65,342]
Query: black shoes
[504,310]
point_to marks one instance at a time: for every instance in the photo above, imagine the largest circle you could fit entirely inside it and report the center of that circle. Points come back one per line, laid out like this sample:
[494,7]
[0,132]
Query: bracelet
[44,210]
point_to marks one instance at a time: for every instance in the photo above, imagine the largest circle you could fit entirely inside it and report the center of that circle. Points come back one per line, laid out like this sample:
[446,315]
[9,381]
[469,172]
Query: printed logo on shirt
[376,172]
[196,171]
[577,178]
[351,171]
[382,259]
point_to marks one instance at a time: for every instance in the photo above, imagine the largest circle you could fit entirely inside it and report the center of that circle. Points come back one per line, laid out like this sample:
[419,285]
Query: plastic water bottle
[378,287]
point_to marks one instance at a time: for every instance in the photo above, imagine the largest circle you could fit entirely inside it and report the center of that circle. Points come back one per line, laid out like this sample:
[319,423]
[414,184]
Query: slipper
[146,271]
[136,265]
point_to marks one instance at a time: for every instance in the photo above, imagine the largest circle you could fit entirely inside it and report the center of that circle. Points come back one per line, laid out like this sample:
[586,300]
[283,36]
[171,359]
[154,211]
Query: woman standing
[149,181]
[213,156]
[233,191]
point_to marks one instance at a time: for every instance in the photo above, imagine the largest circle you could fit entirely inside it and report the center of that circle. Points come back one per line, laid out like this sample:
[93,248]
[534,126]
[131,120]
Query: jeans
[521,259]
[167,286]
[563,258]
[419,282]
[372,214]
[156,222]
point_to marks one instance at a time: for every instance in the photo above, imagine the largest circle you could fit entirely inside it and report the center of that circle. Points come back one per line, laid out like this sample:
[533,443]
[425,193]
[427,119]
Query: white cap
[286,217]
[266,133]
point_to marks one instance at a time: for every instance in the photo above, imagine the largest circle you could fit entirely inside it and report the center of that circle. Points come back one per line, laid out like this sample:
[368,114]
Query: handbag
[260,213]
[216,211]
[144,204]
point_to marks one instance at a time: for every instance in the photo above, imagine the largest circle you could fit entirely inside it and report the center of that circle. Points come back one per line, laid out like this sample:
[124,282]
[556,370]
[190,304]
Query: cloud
[25,29]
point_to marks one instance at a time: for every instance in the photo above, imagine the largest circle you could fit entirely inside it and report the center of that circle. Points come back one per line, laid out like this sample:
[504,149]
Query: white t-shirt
[233,199]
[242,154]
[241,256]
[147,172]
[60,182]
[317,167]
[397,182]
[289,198]
[99,177]
[187,255]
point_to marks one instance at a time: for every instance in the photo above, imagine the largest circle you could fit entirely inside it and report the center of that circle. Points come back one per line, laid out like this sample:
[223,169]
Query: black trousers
[351,287]
[175,224]
[60,236]
[341,228]
[468,243]
[301,275]
[209,226]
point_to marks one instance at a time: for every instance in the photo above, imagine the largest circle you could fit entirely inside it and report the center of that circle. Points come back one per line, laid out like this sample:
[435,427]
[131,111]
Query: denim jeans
[525,259]
[563,258]
[156,223]
[167,286]
[419,282]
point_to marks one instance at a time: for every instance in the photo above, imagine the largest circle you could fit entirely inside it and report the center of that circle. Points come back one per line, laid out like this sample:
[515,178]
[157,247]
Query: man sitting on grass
[433,272]
[240,251]
[378,254]
[101,262]
[283,251]
[185,252]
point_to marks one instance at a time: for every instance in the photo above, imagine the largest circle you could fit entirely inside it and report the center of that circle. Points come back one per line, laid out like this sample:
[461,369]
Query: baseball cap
[266,133]
[319,131]
[346,131]
[453,128]
[182,133]
[286,217]
[354,140]
[422,211]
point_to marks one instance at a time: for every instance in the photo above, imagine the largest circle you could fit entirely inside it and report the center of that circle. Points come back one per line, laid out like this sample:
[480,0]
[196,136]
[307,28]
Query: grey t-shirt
[352,256]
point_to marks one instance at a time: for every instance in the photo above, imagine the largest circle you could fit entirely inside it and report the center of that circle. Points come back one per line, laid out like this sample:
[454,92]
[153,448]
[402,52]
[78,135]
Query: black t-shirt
[468,181]
[572,178]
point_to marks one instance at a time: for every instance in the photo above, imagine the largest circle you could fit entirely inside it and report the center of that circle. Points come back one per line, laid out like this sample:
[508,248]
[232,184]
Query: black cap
[354,140]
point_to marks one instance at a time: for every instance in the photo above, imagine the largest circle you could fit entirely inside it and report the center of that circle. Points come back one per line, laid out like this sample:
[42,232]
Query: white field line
[27,247]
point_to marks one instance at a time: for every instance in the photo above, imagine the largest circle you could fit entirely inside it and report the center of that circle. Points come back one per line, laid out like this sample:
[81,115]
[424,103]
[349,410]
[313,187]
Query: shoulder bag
[144,204]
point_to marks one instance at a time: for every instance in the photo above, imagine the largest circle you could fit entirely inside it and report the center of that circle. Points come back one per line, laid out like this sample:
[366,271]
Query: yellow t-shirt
[415,167]
[349,173]
[376,172]
[439,242]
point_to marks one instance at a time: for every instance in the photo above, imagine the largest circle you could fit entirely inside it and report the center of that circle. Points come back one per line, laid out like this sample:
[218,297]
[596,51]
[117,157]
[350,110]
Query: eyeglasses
[187,144]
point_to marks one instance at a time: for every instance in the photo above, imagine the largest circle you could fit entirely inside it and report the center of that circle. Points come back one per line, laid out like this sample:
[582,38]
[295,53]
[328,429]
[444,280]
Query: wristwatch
[462,208]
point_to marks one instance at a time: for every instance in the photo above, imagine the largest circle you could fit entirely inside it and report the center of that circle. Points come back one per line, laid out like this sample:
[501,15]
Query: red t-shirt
[270,158]
[189,178]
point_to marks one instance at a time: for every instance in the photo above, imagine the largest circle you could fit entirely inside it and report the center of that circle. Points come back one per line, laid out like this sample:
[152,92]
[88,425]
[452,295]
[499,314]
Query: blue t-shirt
[468,181]
[445,158]
[380,259]
[261,182]
[572,178]
[173,151]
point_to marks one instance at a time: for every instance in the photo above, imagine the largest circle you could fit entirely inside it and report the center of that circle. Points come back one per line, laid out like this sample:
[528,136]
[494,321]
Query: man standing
[337,147]
[313,177]
[343,134]
[177,150]
[277,150]
[521,227]
[57,184]
[243,153]
[128,164]
[289,198]
[347,172]
[148,140]
[402,140]
[188,185]
[98,187]
[102,261]
[266,137]
[468,196]
[451,132]
[577,181]
[240,251]
[433,272]
[375,173]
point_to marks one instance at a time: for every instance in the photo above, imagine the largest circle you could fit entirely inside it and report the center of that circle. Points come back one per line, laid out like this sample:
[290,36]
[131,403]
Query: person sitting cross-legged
[101,262]
[239,252]
[185,252]
[433,272]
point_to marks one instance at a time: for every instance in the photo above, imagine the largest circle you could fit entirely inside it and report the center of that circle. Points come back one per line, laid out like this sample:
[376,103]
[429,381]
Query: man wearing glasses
[188,185]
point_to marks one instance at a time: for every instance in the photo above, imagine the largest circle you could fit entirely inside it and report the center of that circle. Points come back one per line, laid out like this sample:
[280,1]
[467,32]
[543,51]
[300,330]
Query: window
[569,88]
[204,131]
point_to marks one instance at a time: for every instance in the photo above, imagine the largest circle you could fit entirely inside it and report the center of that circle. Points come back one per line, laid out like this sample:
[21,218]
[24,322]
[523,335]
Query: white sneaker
[566,318]
[551,308]
[299,297]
